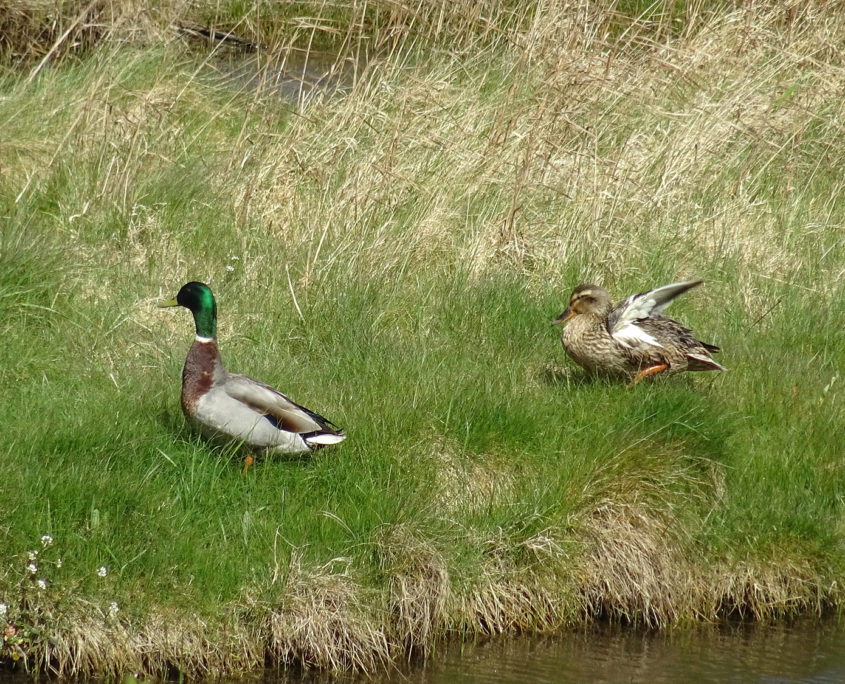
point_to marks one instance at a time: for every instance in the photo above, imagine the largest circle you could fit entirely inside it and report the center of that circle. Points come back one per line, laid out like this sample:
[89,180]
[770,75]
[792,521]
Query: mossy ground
[391,257]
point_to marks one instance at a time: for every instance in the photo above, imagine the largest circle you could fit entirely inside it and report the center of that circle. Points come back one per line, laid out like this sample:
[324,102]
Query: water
[292,75]
[294,80]
[807,651]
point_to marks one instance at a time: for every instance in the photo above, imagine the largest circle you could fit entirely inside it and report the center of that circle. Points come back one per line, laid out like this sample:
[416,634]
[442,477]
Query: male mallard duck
[234,406]
[634,339]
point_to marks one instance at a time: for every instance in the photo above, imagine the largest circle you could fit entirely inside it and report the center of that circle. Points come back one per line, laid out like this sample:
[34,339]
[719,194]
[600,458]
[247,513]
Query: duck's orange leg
[651,370]
[248,461]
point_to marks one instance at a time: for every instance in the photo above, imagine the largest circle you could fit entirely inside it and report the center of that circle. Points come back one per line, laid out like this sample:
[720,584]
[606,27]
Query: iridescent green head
[198,299]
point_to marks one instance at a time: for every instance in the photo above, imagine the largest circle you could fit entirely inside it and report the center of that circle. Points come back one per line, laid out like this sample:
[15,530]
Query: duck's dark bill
[565,316]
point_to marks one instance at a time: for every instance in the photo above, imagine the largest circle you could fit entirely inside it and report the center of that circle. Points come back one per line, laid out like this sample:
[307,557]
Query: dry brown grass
[419,589]
[589,131]
[81,639]
[636,528]
[324,620]
[632,569]
[758,591]
[532,594]
[510,607]
[549,169]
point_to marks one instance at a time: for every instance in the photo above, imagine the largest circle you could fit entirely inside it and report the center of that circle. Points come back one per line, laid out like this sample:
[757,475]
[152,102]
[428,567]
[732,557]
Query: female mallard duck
[234,406]
[634,339]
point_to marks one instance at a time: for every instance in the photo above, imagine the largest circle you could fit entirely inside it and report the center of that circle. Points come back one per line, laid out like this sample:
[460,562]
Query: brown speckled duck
[236,407]
[634,339]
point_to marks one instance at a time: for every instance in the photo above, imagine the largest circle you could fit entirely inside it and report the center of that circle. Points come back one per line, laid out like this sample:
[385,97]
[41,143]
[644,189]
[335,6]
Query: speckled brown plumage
[634,339]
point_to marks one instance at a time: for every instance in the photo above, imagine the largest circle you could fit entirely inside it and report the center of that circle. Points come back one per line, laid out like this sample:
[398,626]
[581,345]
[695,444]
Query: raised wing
[644,305]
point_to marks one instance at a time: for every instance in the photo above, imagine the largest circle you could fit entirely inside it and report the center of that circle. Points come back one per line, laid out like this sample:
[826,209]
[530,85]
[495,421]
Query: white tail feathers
[325,438]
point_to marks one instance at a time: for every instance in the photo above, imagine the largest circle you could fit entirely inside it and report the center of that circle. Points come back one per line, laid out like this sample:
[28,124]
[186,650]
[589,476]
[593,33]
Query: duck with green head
[236,407]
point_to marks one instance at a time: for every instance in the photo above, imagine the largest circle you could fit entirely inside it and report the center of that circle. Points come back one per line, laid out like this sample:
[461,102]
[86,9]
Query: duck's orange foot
[248,461]
[651,370]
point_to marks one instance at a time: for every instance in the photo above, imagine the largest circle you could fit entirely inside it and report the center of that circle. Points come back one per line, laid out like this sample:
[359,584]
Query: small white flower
[32,555]
[58,562]
[229,267]
[42,584]
[4,608]
[46,540]
[103,571]
[113,609]
[33,568]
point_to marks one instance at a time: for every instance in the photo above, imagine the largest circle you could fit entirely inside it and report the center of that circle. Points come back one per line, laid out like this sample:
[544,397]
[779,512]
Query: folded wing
[284,413]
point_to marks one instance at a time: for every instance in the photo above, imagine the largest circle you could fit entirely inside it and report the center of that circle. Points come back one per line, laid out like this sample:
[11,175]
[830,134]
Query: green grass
[392,258]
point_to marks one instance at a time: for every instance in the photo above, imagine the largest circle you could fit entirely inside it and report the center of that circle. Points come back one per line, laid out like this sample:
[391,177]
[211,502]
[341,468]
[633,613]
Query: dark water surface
[807,651]
[294,80]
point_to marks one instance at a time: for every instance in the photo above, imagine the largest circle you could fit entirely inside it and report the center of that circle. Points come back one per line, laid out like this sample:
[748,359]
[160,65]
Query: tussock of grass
[508,606]
[390,254]
[770,591]
[323,622]
[633,570]
[419,589]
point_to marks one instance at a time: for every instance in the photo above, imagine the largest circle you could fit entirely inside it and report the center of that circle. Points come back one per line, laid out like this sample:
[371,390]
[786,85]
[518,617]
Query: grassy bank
[392,256]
